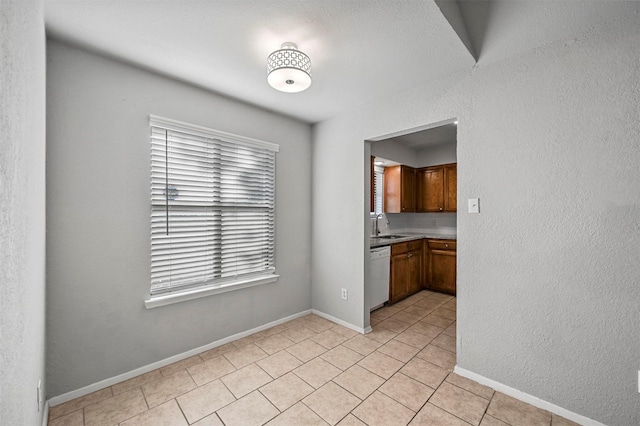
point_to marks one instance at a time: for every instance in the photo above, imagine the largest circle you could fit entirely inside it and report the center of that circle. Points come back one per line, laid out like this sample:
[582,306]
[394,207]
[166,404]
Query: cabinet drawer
[442,244]
[400,248]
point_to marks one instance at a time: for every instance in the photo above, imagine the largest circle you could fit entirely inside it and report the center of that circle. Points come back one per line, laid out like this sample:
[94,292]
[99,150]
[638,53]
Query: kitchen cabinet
[440,265]
[406,270]
[399,189]
[436,188]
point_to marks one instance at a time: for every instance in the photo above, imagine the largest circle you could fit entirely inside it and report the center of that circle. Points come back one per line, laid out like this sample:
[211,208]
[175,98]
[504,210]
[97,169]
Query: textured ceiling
[361,51]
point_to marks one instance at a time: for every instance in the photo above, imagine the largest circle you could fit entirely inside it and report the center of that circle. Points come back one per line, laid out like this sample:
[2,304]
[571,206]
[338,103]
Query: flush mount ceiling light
[288,69]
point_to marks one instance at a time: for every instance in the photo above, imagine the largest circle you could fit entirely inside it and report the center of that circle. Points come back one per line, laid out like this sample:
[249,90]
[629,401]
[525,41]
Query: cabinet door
[451,188]
[392,190]
[431,194]
[399,283]
[442,270]
[415,271]
[408,189]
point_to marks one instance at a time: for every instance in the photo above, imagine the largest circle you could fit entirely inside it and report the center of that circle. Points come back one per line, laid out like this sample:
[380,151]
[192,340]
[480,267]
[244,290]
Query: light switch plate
[474,205]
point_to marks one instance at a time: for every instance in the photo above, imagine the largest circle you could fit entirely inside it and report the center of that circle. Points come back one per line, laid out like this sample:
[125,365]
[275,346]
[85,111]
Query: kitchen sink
[389,237]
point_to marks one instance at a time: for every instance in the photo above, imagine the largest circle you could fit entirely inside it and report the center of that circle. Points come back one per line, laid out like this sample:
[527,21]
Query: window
[378,188]
[212,209]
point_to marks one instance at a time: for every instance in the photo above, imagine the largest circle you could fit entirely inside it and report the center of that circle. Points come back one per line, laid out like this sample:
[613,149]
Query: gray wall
[437,154]
[548,272]
[98,220]
[22,210]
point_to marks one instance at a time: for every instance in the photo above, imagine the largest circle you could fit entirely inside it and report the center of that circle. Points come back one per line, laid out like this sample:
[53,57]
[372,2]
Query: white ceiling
[361,51]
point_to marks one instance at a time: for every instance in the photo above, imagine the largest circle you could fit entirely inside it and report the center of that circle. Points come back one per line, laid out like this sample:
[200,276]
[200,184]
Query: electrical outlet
[344,294]
[39,394]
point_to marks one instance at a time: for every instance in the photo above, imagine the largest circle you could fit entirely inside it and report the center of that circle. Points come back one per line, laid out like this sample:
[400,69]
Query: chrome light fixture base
[288,69]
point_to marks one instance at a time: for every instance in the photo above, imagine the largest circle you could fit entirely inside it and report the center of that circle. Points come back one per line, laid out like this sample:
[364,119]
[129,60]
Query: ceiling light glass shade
[288,69]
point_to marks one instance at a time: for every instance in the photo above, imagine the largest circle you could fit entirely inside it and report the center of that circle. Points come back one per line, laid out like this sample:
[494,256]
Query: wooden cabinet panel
[436,188]
[451,188]
[430,193]
[406,270]
[440,262]
[399,189]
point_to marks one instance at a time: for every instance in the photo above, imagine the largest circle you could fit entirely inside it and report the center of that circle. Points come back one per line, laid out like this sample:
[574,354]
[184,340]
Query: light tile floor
[310,371]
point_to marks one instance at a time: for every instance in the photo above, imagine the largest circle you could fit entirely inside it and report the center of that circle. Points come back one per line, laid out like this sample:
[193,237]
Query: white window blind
[212,207]
[378,188]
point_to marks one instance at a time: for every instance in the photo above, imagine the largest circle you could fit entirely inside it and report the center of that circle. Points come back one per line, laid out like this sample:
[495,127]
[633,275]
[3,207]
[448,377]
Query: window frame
[217,286]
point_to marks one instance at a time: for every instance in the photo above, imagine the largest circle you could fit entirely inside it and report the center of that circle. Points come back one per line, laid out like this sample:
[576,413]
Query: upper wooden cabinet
[436,188]
[399,189]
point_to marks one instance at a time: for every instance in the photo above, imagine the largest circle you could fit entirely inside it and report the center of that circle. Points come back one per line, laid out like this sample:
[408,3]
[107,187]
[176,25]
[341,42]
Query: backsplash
[447,222]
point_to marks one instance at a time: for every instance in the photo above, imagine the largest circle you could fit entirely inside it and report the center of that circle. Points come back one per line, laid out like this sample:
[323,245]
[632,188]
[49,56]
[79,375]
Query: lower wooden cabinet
[440,265]
[406,270]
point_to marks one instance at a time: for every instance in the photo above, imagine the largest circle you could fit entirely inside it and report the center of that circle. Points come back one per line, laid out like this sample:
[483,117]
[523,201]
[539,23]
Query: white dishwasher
[378,286]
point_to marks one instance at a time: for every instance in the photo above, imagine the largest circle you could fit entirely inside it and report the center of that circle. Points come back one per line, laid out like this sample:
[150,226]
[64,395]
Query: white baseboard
[341,322]
[57,400]
[525,397]
[45,414]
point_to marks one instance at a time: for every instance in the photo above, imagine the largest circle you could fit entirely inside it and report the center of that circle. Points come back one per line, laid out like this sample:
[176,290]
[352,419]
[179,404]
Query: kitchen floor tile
[166,414]
[425,372]
[78,403]
[274,343]
[75,418]
[167,388]
[212,353]
[381,335]
[414,339]
[459,402]
[329,339]
[310,371]
[428,330]
[210,420]
[245,355]
[430,415]
[362,344]
[306,350]
[513,411]
[286,391]
[379,409]
[351,420]
[250,410]
[438,356]
[317,372]
[407,317]
[473,387]
[359,381]
[298,415]
[115,409]
[204,400]
[342,357]
[344,331]
[331,402]
[407,391]
[180,365]
[394,325]
[298,333]
[245,380]
[279,363]
[398,350]
[445,342]
[210,370]
[381,364]
[136,382]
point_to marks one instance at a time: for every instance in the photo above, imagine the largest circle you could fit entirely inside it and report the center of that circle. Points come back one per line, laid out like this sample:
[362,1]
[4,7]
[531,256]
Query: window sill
[196,293]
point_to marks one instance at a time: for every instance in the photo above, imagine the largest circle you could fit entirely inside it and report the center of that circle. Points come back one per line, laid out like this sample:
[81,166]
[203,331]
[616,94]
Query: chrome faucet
[377,227]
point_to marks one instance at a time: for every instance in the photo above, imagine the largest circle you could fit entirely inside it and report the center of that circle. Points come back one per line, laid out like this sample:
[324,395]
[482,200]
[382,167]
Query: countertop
[409,236]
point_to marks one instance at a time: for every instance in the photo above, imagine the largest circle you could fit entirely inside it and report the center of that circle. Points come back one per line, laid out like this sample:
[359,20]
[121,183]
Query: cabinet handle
[446,245]
[440,208]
